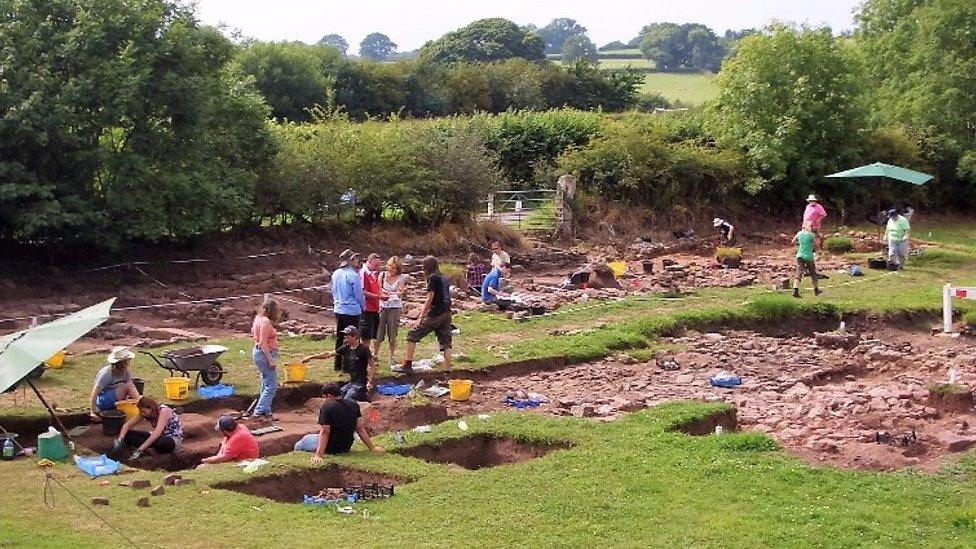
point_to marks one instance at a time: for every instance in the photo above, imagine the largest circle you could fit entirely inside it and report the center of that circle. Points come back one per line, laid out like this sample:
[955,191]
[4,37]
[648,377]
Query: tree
[793,101]
[377,47]
[485,40]
[554,34]
[675,47]
[336,41]
[123,121]
[292,76]
[579,48]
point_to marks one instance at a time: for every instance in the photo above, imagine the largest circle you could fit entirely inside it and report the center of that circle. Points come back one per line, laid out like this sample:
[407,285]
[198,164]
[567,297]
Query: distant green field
[689,88]
[635,63]
[635,52]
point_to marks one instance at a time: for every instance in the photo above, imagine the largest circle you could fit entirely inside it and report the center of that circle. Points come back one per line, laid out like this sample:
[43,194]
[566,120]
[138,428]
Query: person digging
[239,444]
[353,358]
[806,241]
[491,292]
[113,383]
[339,419]
[726,231]
[434,317]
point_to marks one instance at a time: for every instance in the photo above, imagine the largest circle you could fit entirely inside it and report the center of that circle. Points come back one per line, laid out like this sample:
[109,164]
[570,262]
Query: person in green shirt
[896,234]
[806,241]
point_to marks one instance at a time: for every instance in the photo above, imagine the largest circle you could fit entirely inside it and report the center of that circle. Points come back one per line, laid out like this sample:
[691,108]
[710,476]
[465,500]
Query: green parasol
[880,170]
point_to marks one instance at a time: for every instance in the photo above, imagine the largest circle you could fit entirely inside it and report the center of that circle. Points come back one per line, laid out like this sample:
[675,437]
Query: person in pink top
[239,444]
[814,214]
[264,354]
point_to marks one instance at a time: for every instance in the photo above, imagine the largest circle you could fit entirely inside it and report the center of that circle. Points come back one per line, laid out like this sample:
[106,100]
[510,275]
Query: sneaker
[796,292]
[401,369]
[817,291]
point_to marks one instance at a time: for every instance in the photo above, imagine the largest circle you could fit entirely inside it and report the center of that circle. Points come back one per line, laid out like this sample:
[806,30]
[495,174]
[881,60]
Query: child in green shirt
[806,241]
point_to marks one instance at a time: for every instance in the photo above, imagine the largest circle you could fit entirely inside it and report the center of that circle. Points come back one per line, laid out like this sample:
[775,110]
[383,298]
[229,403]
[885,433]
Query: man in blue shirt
[348,299]
[489,288]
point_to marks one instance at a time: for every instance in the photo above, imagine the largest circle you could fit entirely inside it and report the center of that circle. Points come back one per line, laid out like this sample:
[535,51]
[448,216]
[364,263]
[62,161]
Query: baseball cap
[351,330]
[226,423]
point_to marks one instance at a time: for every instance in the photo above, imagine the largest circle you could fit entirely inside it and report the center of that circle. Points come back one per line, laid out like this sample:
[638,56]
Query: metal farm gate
[534,210]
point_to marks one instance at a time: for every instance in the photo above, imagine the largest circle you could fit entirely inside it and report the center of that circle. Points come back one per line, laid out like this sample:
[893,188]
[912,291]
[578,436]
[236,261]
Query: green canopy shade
[21,352]
[879,169]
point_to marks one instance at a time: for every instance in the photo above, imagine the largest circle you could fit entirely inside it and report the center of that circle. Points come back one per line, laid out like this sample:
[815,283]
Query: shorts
[389,324]
[439,325]
[805,266]
[369,324]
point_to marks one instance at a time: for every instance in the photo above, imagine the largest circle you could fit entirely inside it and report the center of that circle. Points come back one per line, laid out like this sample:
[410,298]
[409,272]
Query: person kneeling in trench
[166,436]
[339,419]
[239,444]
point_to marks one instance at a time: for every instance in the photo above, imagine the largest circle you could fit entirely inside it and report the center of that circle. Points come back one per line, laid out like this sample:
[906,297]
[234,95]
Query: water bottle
[8,450]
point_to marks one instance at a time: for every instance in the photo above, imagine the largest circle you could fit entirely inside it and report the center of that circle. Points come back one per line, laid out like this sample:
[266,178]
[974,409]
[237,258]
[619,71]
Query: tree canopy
[485,40]
[377,47]
[554,34]
[292,76]
[336,41]
[689,46]
[579,48]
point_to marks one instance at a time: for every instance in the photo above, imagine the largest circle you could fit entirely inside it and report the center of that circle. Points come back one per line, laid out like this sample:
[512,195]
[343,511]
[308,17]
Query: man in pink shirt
[239,444]
[814,214]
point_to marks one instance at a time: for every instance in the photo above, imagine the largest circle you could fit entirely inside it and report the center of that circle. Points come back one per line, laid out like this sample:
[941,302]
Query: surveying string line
[49,495]
[212,300]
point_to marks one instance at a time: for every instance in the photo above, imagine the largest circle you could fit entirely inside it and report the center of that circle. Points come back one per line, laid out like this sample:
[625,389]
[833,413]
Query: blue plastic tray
[97,466]
[215,391]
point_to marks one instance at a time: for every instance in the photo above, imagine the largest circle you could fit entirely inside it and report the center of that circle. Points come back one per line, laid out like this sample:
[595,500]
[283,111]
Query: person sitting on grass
[474,274]
[434,317]
[166,435]
[113,383]
[805,241]
[339,419]
[490,292]
[726,231]
[355,360]
[239,444]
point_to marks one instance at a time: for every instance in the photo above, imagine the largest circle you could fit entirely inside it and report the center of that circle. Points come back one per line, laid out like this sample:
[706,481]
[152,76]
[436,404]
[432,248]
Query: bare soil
[479,452]
[292,487]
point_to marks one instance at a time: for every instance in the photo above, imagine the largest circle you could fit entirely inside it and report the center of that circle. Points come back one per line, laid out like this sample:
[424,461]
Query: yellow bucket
[56,361]
[129,407]
[460,389]
[295,373]
[618,268]
[177,388]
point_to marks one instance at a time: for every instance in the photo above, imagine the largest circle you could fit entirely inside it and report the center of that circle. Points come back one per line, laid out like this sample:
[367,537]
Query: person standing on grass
[434,317]
[392,283]
[806,241]
[339,420]
[265,355]
[370,322]
[356,360]
[474,274]
[814,214]
[498,255]
[166,435]
[113,382]
[239,444]
[896,234]
[347,297]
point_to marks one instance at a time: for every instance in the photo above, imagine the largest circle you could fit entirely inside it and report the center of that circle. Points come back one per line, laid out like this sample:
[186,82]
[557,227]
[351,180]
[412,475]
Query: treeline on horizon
[128,121]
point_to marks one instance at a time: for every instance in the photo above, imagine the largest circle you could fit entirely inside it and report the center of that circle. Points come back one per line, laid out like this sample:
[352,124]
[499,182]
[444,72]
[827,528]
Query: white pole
[947,308]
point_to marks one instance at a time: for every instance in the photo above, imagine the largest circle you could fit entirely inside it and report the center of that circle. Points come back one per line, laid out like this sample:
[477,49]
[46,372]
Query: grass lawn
[635,63]
[689,88]
[631,482]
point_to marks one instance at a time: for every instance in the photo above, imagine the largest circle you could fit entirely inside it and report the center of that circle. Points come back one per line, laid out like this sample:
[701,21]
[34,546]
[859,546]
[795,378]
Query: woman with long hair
[166,434]
[265,354]
[392,283]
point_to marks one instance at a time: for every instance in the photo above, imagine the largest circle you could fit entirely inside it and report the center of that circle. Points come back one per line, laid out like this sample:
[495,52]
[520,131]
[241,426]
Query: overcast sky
[411,23]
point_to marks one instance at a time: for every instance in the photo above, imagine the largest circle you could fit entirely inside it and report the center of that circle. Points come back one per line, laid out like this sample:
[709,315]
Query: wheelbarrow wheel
[212,375]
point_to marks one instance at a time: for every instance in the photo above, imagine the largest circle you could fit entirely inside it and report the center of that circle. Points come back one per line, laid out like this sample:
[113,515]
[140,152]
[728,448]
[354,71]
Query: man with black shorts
[370,322]
[354,359]
[339,420]
[434,317]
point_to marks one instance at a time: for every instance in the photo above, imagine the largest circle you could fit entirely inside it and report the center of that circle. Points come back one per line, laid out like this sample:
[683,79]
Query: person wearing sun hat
[726,229]
[814,213]
[113,382]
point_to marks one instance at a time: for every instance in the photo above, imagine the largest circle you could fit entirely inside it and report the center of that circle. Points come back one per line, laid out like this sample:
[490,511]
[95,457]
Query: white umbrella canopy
[21,352]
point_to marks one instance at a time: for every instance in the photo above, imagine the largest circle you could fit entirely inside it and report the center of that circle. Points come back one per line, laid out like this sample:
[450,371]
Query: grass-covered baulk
[632,482]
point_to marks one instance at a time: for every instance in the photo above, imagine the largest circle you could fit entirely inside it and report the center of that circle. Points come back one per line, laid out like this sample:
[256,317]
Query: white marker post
[947,308]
